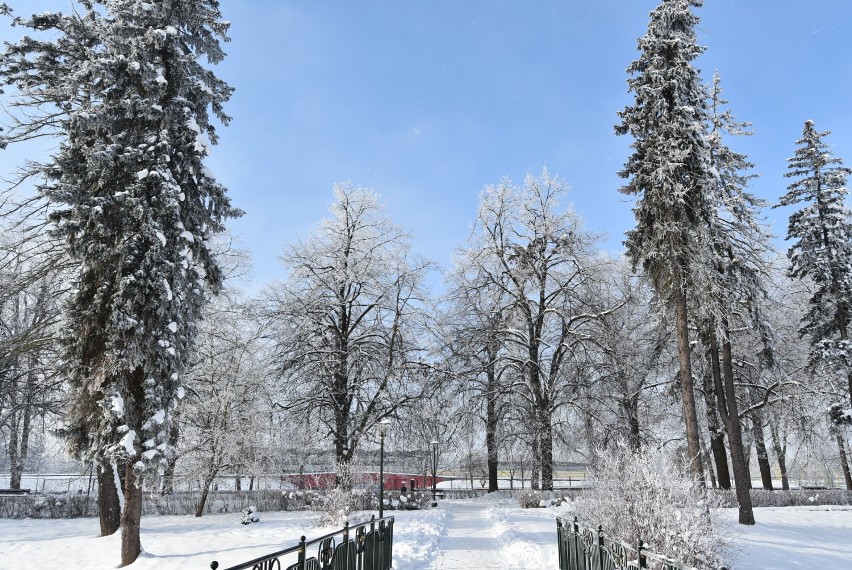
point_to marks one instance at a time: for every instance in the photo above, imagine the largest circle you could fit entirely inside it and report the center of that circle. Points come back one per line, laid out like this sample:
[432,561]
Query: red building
[326,480]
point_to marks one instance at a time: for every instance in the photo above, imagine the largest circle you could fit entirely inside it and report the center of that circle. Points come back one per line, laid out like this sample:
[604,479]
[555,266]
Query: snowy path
[487,534]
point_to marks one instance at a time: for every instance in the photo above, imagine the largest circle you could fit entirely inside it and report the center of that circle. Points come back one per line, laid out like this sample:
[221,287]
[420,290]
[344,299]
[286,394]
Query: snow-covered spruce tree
[822,254]
[136,207]
[649,496]
[670,172]
[48,79]
[822,249]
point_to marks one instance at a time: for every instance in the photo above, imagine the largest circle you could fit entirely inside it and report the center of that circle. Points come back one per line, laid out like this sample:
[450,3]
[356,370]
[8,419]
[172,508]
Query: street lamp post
[434,472]
[383,427]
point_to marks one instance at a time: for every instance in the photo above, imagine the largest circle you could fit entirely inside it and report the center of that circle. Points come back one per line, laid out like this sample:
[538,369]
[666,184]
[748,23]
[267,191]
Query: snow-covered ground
[491,532]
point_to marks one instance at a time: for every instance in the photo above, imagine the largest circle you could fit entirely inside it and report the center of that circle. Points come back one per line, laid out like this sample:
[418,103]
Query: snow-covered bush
[250,515]
[334,507]
[532,499]
[650,496]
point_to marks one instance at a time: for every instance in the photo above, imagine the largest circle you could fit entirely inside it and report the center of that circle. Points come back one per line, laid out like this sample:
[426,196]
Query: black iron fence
[583,548]
[366,546]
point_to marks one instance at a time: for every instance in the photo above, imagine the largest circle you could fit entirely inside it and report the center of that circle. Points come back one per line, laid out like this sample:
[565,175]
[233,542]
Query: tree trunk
[491,450]
[491,420]
[780,453]
[109,503]
[717,432]
[12,451]
[760,449]
[729,410]
[709,461]
[849,381]
[536,464]
[844,461]
[205,490]
[546,433]
[630,407]
[131,518]
[169,472]
[690,415]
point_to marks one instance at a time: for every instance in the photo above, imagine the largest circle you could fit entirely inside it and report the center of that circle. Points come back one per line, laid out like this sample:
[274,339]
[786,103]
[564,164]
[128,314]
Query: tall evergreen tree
[822,249]
[822,254]
[136,207]
[671,174]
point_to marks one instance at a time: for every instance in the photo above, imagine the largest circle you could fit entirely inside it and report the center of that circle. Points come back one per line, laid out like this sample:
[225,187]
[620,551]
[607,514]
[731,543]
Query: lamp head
[383,426]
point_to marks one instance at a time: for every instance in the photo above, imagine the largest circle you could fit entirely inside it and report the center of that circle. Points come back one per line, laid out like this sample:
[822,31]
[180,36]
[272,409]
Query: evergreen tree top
[670,169]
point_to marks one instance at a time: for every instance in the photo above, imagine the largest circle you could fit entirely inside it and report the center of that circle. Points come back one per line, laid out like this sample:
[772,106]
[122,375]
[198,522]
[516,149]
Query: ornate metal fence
[367,546]
[583,548]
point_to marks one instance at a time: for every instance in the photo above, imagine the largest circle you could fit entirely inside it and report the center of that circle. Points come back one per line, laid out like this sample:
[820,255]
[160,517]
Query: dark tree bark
[131,543]
[844,461]
[705,456]
[491,414]
[205,491]
[780,449]
[21,421]
[131,518]
[729,410]
[169,472]
[717,432]
[109,504]
[535,473]
[760,449]
[687,389]
[491,450]
[546,436]
[630,407]
[18,445]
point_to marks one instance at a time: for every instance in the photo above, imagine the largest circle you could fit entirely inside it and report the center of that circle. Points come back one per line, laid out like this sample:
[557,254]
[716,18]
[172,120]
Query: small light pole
[383,428]
[434,472]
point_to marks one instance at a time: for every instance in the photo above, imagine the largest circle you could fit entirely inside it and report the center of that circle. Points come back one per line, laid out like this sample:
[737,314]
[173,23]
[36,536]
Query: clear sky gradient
[427,102]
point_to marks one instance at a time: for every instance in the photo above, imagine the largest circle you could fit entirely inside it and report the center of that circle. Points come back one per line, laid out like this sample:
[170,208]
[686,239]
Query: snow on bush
[250,515]
[337,504]
[531,499]
[649,496]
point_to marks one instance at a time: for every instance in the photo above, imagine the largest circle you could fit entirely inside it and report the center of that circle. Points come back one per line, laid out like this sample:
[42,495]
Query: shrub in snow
[649,496]
[250,515]
[530,499]
[336,506]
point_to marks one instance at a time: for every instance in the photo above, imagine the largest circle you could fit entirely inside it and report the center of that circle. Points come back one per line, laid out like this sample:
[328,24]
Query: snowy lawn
[491,532]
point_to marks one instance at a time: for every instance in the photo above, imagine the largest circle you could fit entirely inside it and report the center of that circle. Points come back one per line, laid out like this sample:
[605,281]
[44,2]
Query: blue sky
[426,102]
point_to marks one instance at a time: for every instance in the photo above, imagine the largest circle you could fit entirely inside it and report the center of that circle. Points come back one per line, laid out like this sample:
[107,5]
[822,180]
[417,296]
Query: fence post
[577,543]
[641,559]
[374,544]
[600,548]
[559,543]
[345,551]
[302,548]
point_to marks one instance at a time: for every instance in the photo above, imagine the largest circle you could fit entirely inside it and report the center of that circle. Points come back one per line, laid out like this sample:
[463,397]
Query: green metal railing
[583,548]
[366,546]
